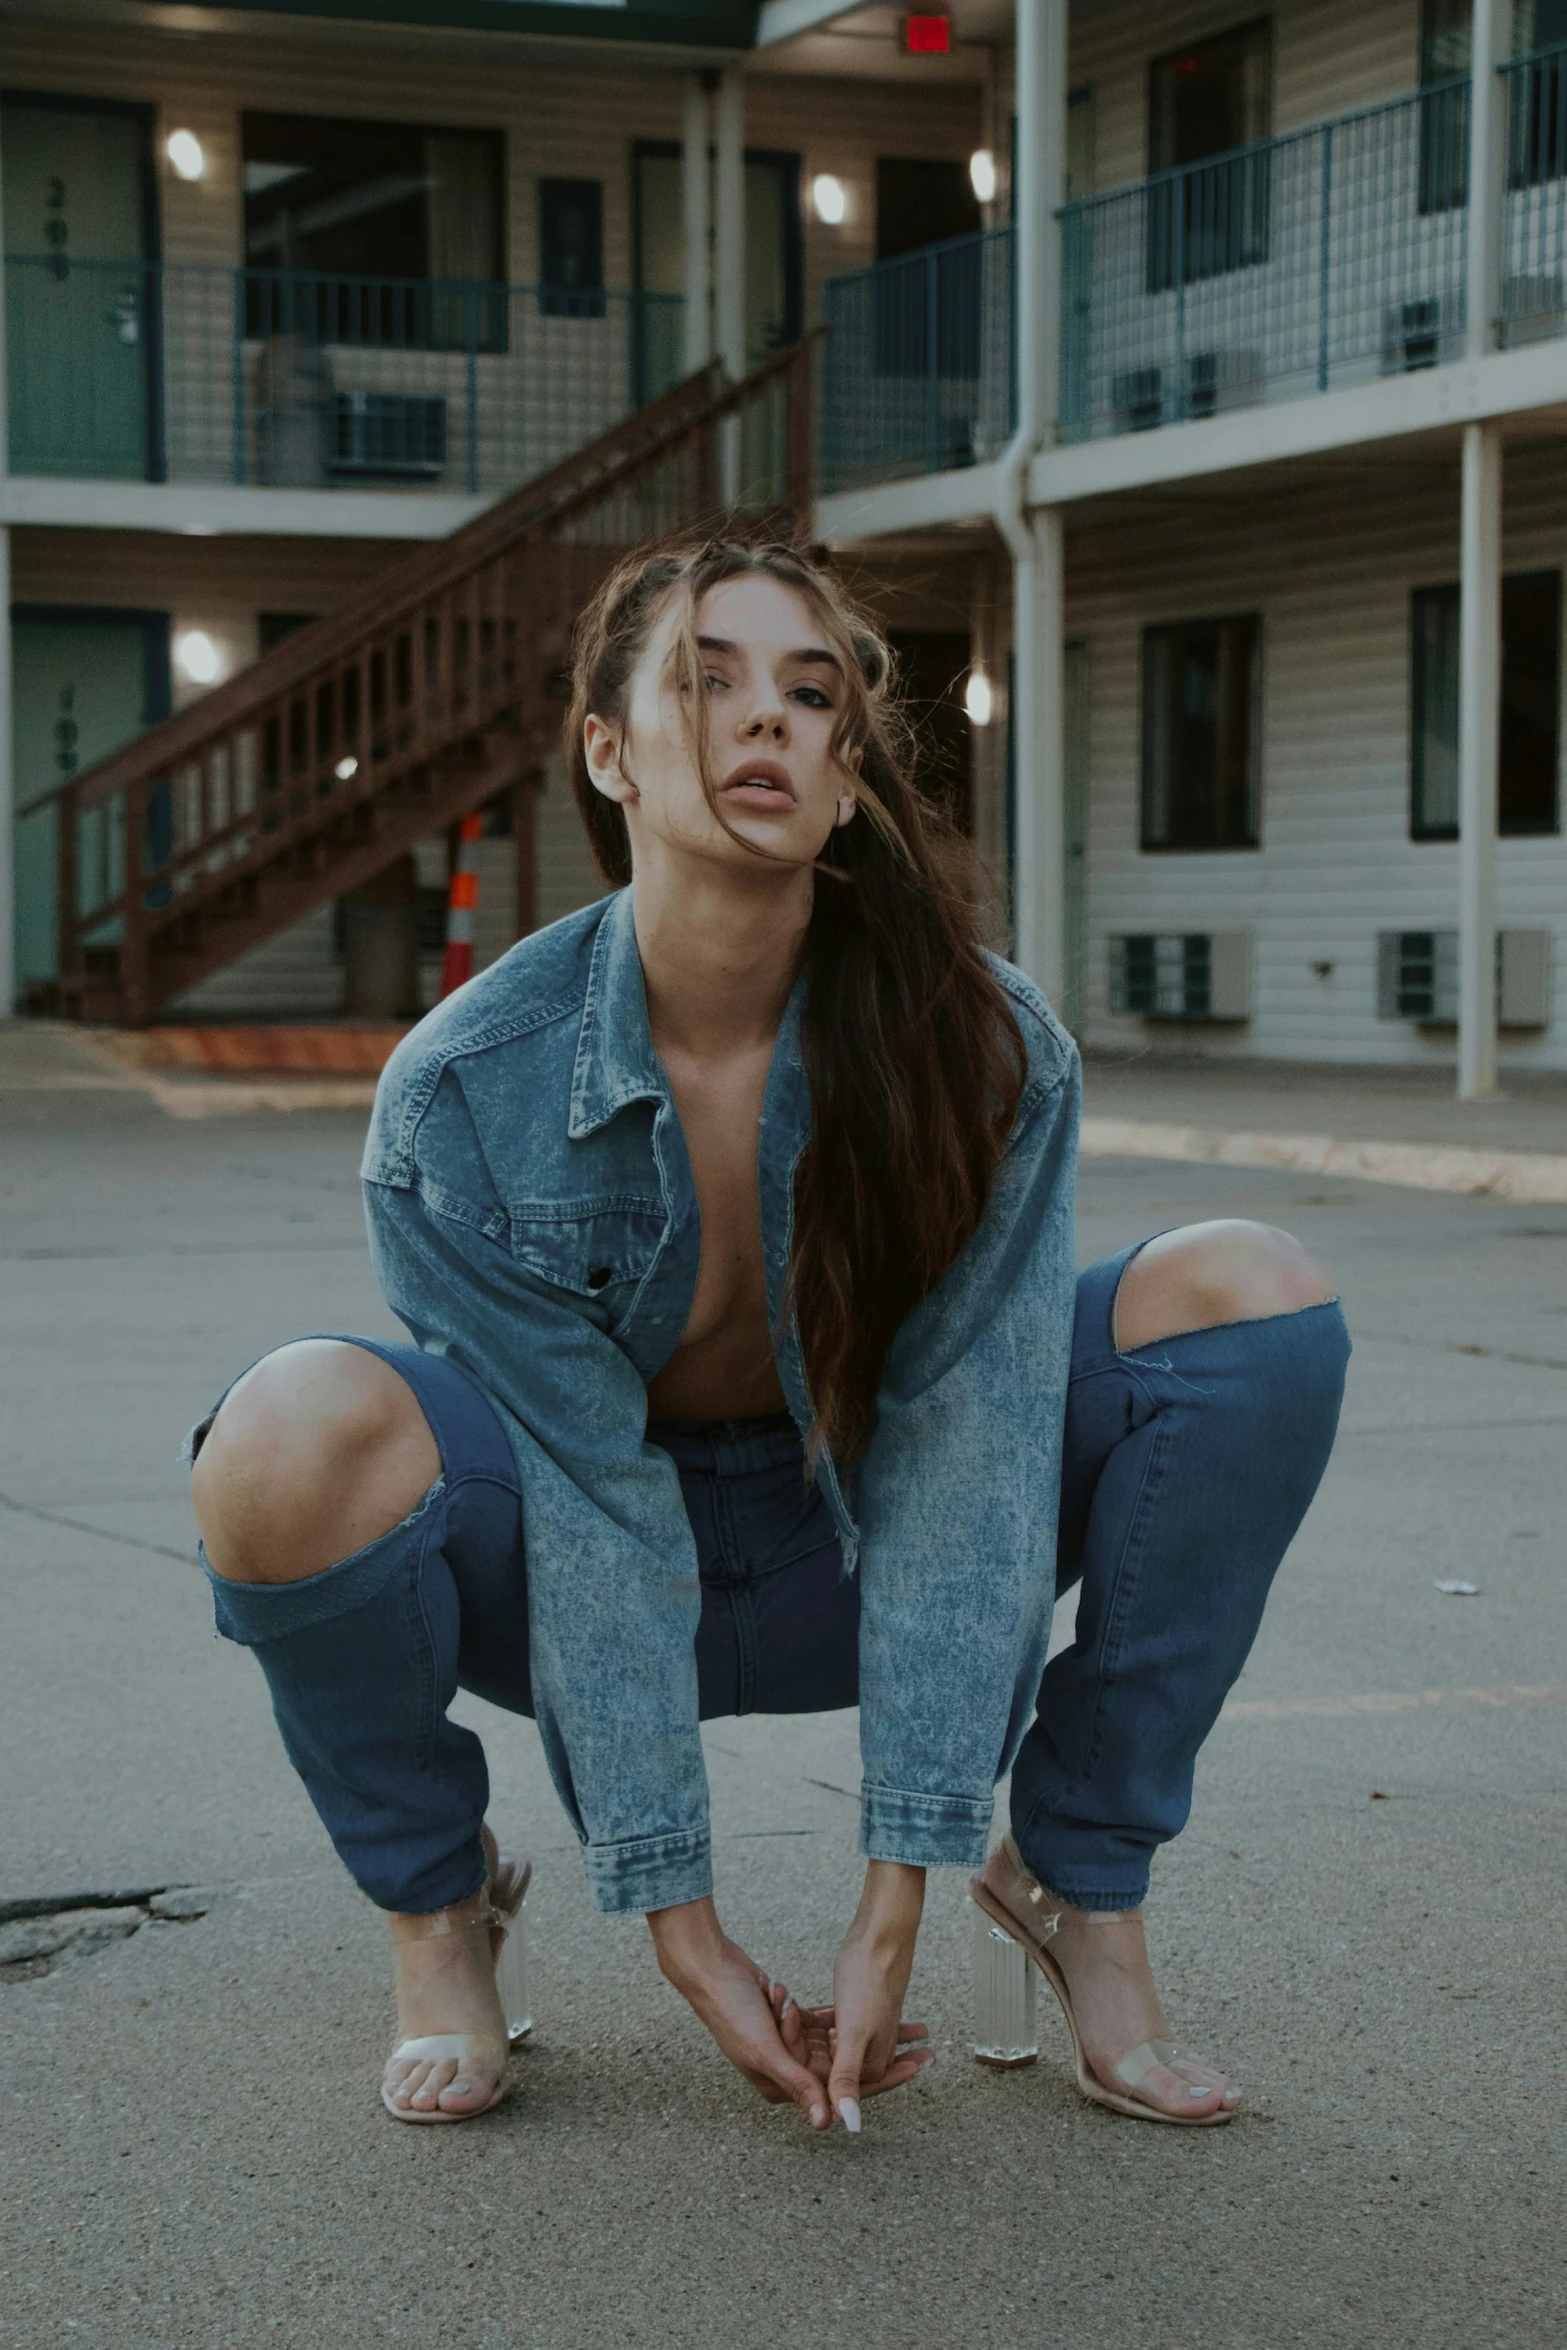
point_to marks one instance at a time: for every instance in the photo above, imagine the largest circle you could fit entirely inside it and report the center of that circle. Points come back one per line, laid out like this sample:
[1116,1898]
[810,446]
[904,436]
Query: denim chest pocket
[599,1249]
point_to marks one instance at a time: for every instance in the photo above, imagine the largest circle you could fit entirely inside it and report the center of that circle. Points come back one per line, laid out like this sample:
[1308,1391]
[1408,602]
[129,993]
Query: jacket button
[601,1276]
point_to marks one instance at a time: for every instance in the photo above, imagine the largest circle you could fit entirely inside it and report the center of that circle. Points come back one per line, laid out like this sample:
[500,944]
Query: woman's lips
[760,783]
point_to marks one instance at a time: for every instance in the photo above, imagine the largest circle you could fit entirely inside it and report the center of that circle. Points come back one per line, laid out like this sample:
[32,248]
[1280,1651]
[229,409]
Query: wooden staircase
[419,700]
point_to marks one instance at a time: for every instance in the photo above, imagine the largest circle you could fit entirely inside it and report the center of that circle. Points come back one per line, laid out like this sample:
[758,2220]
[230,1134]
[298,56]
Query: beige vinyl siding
[1330,572]
[1328,57]
[559,120]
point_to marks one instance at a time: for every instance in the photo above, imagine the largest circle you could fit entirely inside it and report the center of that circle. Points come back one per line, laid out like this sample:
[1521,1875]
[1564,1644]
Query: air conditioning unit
[388,435]
[1417,977]
[1534,310]
[1137,398]
[1182,975]
[1418,333]
[1217,380]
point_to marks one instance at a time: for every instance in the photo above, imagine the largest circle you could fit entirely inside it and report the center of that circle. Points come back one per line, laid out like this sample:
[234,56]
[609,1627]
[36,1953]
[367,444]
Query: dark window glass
[1207,99]
[571,248]
[1528,799]
[330,205]
[1444,113]
[1537,96]
[1200,728]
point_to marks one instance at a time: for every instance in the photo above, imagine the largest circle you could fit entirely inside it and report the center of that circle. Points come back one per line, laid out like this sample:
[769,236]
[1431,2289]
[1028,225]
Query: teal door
[82,684]
[772,260]
[81,311]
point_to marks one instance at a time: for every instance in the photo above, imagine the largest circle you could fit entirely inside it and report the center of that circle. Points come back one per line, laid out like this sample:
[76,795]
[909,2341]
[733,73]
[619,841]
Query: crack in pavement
[27,1509]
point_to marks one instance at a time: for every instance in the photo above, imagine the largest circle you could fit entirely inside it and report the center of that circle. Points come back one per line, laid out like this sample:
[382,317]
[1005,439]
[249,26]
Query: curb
[1508,1175]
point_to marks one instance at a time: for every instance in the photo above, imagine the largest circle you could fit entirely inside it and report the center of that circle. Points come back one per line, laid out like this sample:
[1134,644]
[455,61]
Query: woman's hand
[873,2050]
[756,2024]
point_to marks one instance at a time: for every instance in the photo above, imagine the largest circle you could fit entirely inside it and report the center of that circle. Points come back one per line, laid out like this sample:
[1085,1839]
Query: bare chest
[723,1365]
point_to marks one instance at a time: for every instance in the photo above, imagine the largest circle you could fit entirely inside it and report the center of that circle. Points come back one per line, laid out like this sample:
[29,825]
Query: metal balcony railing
[141,370]
[1320,258]
[918,375]
[1534,212]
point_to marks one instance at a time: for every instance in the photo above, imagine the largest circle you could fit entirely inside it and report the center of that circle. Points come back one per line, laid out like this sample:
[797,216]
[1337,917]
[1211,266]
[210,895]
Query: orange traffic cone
[461,904]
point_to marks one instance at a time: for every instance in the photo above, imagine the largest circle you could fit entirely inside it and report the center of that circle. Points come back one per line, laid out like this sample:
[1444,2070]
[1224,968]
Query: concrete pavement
[1364,1917]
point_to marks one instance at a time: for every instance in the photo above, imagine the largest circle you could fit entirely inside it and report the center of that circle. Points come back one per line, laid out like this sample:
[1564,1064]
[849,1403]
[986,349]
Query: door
[1074,779]
[82,684]
[772,261]
[81,307]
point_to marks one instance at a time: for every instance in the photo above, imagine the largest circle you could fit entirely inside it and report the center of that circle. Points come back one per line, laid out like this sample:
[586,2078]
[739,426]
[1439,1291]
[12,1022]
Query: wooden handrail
[291,773]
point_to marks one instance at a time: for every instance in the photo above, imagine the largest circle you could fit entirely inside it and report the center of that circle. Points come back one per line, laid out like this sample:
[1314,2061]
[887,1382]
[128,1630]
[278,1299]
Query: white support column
[729,205]
[1037,715]
[696,225]
[1488,46]
[1039,755]
[1479,696]
[7,781]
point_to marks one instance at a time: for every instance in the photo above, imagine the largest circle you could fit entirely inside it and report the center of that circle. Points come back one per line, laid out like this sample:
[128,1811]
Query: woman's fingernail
[788,2008]
[818,2117]
[849,2114]
[1232,2096]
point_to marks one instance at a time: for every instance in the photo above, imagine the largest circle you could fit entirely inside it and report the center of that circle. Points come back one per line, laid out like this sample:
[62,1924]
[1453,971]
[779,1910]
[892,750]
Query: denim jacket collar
[615,1063]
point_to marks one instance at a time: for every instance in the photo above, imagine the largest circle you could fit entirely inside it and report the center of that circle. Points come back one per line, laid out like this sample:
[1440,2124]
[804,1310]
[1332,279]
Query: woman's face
[772,692]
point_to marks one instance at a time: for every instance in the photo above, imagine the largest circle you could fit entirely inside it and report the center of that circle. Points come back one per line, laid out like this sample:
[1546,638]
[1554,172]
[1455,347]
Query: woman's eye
[714,683]
[812,696]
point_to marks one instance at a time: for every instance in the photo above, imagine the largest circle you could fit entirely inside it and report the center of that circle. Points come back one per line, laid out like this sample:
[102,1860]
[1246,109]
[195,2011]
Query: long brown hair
[913,1055]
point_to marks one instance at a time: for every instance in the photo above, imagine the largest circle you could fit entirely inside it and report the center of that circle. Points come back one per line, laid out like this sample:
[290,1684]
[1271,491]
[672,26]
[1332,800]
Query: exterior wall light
[187,158]
[978,700]
[346,770]
[829,199]
[982,174]
[196,657]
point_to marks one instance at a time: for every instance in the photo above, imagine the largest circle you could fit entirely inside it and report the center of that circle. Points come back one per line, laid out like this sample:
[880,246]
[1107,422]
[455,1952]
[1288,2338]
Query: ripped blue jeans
[1187,1467]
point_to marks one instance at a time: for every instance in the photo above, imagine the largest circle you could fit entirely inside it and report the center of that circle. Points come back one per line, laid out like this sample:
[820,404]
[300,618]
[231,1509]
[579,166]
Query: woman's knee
[319,1449]
[1230,1270]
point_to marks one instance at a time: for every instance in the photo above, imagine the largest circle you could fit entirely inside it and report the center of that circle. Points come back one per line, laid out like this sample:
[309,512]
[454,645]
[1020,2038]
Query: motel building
[1184,380]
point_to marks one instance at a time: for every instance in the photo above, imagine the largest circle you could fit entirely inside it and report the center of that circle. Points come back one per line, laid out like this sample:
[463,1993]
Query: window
[1527,794]
[1537,98]
[1200,730]
[1444,109]
[351,227]
[571,248]
[1208,99]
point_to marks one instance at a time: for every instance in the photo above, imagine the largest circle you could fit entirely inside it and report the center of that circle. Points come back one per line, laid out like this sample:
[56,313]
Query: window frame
[1446,593]
[1250,839]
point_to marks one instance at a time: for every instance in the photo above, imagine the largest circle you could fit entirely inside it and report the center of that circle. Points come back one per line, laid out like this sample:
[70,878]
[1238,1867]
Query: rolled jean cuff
[650,1872]
[925,1831]
[250,1613]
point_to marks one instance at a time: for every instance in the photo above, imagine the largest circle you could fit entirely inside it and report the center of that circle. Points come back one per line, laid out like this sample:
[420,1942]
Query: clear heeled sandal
[496,1910]
[1015,1918]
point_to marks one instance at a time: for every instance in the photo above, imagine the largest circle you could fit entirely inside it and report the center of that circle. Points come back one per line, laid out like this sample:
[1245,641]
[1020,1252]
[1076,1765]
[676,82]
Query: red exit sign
[927,36]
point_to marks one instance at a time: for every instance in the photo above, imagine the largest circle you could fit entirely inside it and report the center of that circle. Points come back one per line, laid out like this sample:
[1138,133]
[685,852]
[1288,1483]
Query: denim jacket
[533,1215]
